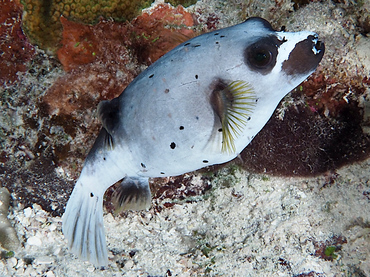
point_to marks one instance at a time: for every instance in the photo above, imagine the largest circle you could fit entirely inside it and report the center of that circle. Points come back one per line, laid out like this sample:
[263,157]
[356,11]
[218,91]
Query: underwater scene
[245,152]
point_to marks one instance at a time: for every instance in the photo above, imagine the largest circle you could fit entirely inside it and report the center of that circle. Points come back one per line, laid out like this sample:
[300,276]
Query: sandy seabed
[256,225]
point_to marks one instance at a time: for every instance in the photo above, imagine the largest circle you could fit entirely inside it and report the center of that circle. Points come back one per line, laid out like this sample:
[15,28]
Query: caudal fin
[83,225]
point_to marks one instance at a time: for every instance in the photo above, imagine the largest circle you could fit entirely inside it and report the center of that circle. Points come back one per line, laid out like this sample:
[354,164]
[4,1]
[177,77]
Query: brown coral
[329,96]
[97,61]
[97,57]
[160,31]
[149,36]
[80,44]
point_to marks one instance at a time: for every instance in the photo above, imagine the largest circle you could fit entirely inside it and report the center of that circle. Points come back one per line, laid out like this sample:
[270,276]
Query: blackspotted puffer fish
[198,105]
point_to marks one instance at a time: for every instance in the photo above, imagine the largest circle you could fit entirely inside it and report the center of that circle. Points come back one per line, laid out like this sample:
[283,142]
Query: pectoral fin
[233,103]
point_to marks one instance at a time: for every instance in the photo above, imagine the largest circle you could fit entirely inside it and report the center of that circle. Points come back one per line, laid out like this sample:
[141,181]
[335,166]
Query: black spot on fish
[222,36]
[166,90]
[173,145]
[181,128]
[216,34]
[151,76]
[217,42]
[220,130]
[197,117]
[104,158]
[196,77]
[143,165]
[91,194]
[205,161]
[249,118]
[162,173]
[186,44]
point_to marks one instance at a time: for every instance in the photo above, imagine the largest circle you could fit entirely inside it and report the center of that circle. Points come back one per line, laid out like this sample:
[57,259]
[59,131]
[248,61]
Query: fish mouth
[318,46]
[305,56]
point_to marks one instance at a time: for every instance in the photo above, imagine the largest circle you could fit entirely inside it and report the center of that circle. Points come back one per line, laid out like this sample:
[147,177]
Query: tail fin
[83,225]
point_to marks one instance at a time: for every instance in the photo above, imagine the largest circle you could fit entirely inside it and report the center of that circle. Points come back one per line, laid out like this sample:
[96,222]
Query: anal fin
[132,194]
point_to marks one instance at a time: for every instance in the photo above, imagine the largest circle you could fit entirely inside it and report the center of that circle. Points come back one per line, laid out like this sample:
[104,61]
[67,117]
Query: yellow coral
[41,17]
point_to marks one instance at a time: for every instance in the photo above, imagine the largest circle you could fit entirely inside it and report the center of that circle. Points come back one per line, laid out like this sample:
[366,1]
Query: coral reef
[157,32]
[79,44]
[100,58]
[28,139]
[41,17]
[15,50]
[98,63]
[148,37]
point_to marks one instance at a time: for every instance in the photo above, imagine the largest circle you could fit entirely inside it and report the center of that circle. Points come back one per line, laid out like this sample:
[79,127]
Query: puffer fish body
[200,104]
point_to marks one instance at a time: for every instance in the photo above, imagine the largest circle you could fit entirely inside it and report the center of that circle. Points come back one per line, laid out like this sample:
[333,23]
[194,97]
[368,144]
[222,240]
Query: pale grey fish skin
[163,124]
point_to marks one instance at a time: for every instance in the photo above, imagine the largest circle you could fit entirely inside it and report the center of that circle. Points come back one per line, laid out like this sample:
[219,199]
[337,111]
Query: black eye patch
[261,55]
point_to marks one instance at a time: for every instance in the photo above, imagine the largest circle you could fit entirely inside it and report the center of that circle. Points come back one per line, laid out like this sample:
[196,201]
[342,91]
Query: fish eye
[261,55]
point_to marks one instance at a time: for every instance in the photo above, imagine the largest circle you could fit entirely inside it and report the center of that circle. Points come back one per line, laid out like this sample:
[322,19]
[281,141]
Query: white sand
[258,226]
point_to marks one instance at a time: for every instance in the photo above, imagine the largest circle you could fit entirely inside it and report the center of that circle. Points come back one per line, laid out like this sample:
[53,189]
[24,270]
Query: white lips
[314,50]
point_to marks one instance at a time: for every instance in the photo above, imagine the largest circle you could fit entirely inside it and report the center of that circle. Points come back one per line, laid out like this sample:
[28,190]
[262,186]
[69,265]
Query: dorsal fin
[108,114]
[233,103]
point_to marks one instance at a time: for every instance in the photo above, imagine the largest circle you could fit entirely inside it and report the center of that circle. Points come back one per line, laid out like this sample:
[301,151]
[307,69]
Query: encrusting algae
[15,50]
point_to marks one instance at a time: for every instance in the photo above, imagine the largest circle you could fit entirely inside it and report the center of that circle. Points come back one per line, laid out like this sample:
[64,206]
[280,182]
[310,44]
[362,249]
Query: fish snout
[305,56]
[318,47]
